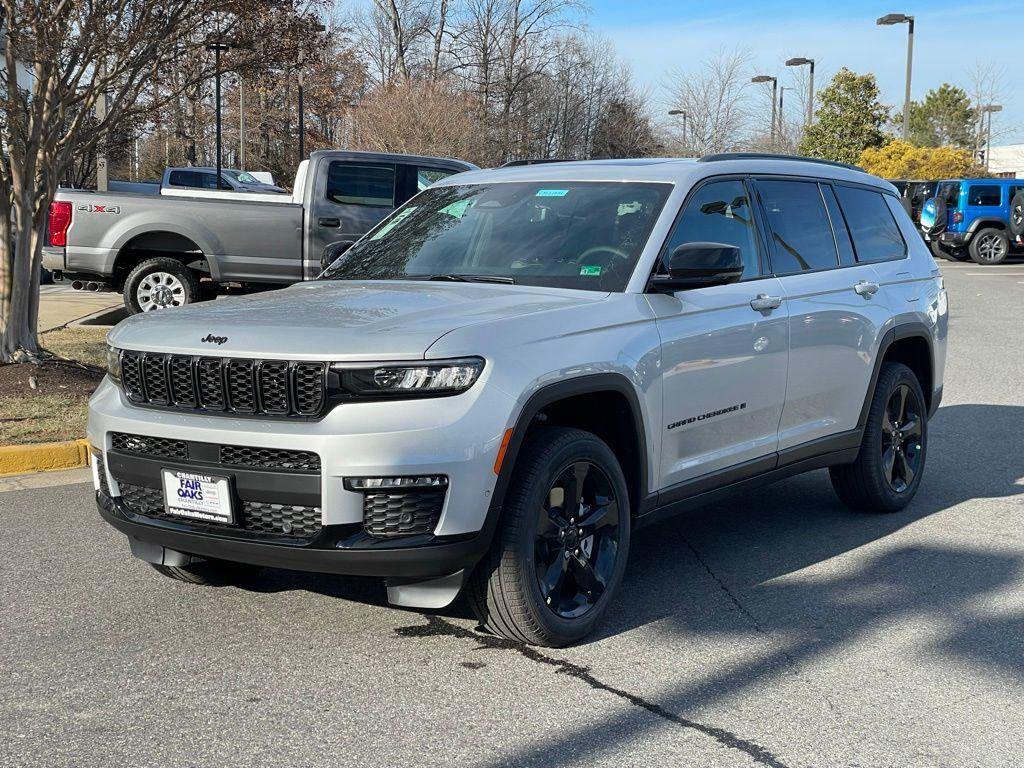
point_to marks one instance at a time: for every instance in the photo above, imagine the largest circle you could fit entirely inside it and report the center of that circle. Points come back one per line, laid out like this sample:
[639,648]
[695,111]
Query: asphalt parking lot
[774,629]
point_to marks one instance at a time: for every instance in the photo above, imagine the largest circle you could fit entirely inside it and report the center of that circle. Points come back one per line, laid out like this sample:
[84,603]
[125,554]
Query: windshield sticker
[458,208]
[590,271]
[397,219]
[552,192]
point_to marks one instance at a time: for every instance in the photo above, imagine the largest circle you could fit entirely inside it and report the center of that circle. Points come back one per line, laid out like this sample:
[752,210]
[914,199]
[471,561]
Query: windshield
[584,235]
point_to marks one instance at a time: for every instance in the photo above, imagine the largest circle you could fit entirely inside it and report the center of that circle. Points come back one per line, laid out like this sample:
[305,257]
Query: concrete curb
[43,457]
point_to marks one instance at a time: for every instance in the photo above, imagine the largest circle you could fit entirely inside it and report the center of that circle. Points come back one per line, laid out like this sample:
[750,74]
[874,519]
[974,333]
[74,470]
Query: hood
[337,319]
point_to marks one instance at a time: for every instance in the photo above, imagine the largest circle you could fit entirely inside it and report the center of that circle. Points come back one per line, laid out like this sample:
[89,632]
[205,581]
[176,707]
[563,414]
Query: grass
[43,417]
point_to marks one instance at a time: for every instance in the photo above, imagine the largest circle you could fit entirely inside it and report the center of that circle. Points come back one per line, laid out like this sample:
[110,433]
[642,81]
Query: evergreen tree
[944,118]
[849,119]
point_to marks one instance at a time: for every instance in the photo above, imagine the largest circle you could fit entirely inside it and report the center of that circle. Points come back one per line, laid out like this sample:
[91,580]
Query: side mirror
[333,252]
[700,265]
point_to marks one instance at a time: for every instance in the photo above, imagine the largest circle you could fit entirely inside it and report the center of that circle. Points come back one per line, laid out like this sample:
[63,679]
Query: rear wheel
[888,469]
[990,246]
[210,573]
[561,548]
[160,283]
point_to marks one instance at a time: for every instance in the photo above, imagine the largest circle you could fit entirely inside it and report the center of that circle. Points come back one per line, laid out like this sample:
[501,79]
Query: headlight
[114,363]
[443,377]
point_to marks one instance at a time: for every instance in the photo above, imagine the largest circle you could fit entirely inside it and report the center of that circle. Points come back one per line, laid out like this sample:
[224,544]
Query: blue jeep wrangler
[973,219]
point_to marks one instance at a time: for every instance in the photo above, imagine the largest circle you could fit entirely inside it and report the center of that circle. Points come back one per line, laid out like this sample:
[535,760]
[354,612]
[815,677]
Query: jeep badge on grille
[211,339]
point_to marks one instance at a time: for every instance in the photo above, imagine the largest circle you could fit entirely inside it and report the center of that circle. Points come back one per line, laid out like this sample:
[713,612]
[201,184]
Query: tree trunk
[19,312]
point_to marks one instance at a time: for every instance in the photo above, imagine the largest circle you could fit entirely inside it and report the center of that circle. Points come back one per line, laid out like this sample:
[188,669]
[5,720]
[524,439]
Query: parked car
[914,193]
[512,372]
[970,219]
[169,251]
[231,180]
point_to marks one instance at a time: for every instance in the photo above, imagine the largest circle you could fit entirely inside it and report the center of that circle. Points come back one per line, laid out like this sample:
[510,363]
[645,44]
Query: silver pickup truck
[169,251]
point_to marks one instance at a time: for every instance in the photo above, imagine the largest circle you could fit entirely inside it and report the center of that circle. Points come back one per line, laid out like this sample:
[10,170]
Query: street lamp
[775,93]
[300,64]
[901,18]
[683,113]
[217,49]
[989,109]
[799,61]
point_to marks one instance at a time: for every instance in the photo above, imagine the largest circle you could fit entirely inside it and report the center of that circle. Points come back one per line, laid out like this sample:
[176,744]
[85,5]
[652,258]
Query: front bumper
[336,549]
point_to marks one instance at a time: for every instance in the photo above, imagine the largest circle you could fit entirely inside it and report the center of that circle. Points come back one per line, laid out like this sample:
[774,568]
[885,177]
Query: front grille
[269,458]
[405,513]
[255,516]
[160,447]
[222,385]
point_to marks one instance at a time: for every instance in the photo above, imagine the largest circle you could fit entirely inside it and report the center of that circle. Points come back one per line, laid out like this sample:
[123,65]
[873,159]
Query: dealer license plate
[198,496]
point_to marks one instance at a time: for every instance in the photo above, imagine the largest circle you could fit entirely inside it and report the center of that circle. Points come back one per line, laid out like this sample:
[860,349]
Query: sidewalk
[61,304]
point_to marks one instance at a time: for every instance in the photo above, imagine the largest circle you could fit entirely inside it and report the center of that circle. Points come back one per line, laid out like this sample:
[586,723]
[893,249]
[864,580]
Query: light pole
[782,111]
[800,61]
[317,28]
[901,18]
[775,93]
[681,112]
[989,109]
[241,124]
[217,48]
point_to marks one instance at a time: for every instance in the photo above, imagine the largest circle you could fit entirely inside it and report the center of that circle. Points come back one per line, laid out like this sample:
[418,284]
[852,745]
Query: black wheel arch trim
[561,390]
[907,330]
[987,224]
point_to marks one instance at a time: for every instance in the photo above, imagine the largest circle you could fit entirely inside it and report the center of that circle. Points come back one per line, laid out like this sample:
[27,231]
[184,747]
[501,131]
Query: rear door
[723,359]
[836,312]
[349,199]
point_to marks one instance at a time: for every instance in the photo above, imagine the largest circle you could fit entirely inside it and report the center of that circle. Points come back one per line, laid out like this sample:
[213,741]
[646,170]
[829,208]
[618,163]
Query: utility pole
[217,48]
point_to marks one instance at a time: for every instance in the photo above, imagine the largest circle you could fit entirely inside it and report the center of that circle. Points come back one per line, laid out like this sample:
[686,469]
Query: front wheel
[888,469]
[560,551]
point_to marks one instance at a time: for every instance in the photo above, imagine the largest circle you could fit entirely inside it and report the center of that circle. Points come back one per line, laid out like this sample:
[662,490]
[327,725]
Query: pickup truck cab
[231,180]
[520,366]
[167,251]
[970,219]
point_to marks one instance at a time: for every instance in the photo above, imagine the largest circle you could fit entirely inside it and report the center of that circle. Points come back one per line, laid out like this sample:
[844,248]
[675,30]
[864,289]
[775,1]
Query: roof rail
[534,161]
[774,156]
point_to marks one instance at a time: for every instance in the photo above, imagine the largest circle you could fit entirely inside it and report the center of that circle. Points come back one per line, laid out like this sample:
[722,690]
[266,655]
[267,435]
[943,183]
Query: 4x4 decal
[90,208]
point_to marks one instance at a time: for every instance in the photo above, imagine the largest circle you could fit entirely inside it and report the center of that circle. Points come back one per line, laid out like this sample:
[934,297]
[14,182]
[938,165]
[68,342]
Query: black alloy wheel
[577,540]
[901,438]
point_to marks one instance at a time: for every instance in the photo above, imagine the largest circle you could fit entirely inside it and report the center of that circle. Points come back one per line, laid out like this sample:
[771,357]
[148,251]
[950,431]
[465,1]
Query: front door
[724,349]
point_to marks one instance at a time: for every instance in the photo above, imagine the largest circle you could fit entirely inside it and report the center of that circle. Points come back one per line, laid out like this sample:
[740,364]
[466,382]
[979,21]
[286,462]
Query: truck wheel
[990,246]
[210,573]
[888,469]
[560,550]
[158,284]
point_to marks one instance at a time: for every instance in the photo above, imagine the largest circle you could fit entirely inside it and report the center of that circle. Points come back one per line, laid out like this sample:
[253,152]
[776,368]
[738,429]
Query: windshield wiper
[474,278]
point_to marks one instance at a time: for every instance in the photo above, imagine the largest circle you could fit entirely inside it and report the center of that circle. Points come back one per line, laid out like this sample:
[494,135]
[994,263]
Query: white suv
[517,368]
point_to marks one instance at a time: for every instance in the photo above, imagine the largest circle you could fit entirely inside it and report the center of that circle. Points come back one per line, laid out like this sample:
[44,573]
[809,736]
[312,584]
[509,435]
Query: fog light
[395,483]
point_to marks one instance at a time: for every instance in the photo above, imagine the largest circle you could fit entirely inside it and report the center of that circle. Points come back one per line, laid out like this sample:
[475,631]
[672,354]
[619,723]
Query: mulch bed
[50,378]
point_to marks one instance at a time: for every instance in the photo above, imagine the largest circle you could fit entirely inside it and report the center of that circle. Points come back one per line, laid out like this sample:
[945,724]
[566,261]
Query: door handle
[765,303]
[325,221]
[866,289]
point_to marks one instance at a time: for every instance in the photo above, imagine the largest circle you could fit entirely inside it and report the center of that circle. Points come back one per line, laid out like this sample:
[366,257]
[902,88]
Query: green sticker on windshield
[590,271]
[396,219]
[552,192]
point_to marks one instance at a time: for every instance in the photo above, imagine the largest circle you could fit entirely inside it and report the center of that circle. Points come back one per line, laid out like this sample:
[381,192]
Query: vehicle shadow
[733,570]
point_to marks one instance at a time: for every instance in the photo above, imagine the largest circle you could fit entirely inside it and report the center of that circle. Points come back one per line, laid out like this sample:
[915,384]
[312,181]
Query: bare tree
[987,87]
[718,112]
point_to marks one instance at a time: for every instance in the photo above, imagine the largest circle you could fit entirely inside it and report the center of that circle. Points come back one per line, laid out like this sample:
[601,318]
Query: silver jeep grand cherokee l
[516,369]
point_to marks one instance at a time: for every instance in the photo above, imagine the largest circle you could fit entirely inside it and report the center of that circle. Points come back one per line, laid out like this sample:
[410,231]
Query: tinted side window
[427,176]
[983,194]
[835,214]
[801,232]
[370,185]
[876,236]
[184,179]
[718,212]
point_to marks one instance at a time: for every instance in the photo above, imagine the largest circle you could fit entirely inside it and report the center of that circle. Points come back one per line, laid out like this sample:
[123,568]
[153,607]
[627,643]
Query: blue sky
[950,37]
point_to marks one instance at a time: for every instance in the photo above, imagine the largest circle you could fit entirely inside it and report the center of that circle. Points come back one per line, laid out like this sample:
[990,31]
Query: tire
[867,484]
[210,573]
[989,246]
[506,589]
[939,251]
[1017,215]
[169,282]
